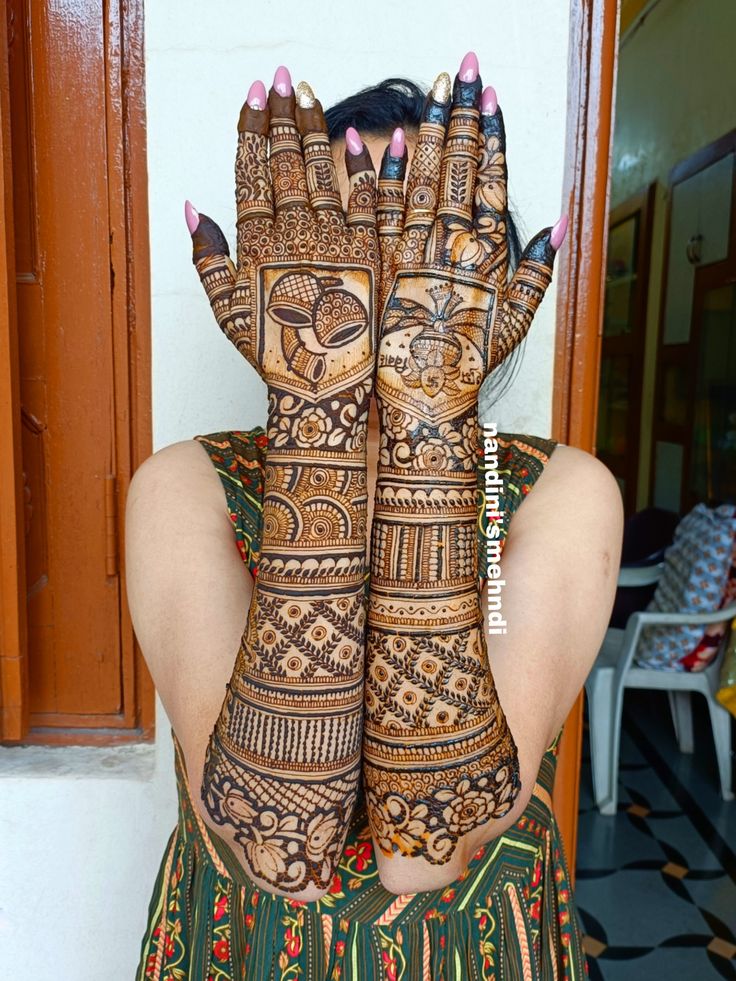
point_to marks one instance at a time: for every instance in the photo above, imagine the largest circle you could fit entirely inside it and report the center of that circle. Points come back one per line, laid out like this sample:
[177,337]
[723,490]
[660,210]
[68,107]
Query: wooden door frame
[13,620]
[129,258]
[592,64]
[667,354]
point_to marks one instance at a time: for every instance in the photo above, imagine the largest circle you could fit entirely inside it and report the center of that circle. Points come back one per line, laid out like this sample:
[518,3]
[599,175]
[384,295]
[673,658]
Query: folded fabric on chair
[696,579]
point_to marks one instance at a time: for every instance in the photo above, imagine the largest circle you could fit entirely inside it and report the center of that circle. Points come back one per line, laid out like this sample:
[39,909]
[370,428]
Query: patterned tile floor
[656,883]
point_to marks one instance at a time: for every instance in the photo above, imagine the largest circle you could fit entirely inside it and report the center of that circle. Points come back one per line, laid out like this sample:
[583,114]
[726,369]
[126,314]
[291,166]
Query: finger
[460,157]
[230,300]
[390,207]
[288,177]
[424,173]
[322,185]
[253,197]
[525,292]
[490,201]
[211,256]
[362,189]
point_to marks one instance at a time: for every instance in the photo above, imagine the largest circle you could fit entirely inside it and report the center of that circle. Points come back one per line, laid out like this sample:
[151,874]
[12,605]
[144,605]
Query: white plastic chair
[613,672]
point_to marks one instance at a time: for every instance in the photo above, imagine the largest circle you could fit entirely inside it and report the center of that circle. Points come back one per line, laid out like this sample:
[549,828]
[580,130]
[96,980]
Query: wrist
[428,448]
[338,424]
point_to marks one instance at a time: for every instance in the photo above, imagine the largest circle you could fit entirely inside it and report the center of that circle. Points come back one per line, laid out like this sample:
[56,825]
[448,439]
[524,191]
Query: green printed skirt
[510,915]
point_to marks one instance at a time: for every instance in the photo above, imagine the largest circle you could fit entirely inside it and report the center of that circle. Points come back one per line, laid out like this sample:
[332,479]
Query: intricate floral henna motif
[283,763]
[439,758]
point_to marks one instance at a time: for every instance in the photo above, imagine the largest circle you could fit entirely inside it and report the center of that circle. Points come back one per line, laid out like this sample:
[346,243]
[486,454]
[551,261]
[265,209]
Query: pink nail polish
[353,140]
[557,235]
[192,217]
[489,101]
[469,67]
[256,97]
[398,143]
[282,81]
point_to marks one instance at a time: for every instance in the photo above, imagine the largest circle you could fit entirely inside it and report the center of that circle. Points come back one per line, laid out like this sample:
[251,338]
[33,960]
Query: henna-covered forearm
[439,757]
[283,762]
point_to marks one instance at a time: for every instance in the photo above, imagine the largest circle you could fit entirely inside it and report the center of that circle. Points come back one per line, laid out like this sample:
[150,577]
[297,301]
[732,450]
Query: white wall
[200,66]
[83,830]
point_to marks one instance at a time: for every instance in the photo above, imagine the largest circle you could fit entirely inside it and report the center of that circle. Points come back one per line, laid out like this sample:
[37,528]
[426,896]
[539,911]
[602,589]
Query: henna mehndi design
[439,758]
[283,763]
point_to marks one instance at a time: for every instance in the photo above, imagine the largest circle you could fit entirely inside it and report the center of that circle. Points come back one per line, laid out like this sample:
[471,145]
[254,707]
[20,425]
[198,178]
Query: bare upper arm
[188,589]
[560,564]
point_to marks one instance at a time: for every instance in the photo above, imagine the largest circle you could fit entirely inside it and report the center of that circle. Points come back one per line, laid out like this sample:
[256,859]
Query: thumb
[524,294]
[210,253]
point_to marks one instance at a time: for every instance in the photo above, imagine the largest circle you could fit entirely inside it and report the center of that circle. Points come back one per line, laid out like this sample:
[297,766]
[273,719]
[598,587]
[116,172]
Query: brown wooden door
[72,250]
[701,254]
[622,342]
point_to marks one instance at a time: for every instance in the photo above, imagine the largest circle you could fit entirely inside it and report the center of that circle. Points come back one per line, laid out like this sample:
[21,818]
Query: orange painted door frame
[13,621]
[580,293]
[75,402]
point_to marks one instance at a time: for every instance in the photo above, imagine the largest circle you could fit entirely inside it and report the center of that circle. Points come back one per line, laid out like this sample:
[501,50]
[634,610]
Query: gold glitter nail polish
[305,97]
[442,88]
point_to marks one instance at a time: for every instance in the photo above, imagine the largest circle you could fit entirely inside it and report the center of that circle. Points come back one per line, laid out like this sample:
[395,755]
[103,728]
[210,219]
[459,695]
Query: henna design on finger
[424,173]
[525,292]
[320,167]
[390,207]
[253,196]
[490,199]
[286,161]
[460,158]
[361,212]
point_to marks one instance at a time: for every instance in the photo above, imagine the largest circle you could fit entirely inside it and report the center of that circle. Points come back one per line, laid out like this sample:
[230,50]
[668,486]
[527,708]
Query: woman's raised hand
[440,762]
[300,304]
[282,767]
[450,315]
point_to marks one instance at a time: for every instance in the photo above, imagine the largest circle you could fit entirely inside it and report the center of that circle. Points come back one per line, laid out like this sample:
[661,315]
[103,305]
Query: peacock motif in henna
[283,763]
[439,758]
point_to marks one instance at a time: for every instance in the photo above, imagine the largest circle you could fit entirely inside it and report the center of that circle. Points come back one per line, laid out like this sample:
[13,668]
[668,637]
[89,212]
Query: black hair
[378,110]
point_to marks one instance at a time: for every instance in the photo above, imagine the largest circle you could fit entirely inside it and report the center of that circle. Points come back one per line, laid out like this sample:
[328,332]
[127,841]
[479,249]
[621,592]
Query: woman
[452,866]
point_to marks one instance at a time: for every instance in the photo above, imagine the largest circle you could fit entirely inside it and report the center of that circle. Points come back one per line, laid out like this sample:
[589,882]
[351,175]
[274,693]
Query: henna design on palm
[439,758]
[283,762]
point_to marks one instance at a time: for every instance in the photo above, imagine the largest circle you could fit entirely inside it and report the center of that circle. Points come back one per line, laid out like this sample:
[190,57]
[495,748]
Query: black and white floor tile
[656,883]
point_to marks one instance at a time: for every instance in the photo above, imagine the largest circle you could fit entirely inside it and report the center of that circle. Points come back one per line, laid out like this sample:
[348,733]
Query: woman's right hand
[300,305]
[283,763]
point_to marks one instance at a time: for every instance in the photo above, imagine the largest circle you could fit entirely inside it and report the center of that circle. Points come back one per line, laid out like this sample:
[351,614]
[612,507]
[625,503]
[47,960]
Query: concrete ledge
[127,762]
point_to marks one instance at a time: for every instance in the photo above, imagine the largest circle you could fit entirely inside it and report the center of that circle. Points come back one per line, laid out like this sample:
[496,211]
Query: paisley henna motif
[439,758]
[283,762]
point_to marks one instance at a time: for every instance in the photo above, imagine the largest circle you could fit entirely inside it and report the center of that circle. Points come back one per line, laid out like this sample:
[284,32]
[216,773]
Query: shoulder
[580,477]
[575,507]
